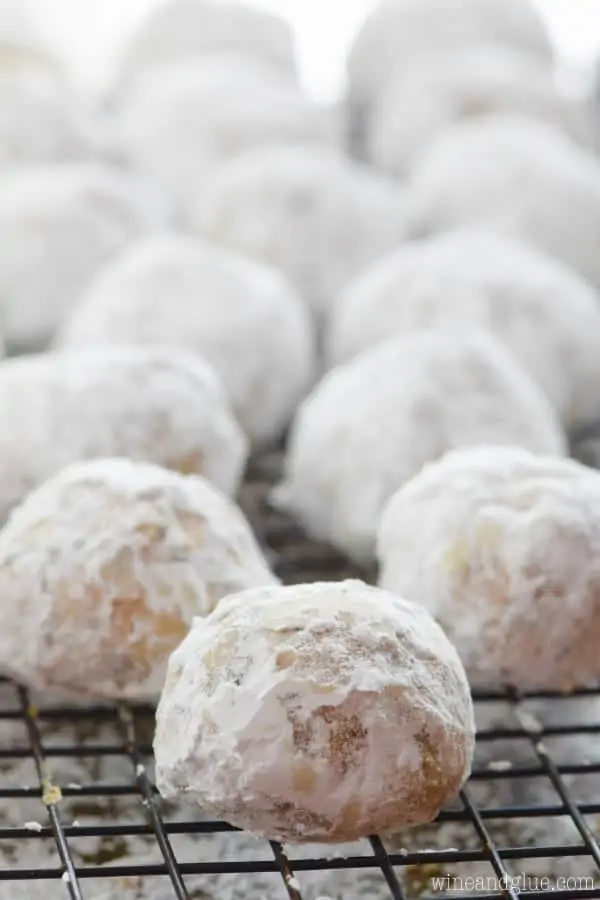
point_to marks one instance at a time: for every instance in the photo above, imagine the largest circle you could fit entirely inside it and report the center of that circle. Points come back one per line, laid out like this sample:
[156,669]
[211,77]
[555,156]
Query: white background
[91,32]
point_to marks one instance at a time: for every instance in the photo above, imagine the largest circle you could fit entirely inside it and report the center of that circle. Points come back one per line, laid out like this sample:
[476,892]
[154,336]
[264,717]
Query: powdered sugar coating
[58,225]
[503,549]
[400,32]
[22,46]
[143,403]
[103,568]
[185,29]
[517,176]
[372,424]
[422,99]
[41,119]
[242,317]
[179,122]
[318,217]
[322,712]
[545,314]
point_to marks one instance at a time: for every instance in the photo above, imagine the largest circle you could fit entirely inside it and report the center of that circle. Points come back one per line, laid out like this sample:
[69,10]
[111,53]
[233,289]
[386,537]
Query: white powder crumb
[73,786]
[530,723]
[293,883]
[33,826]
[140,770]
[66,877]
[500,765]
[76,823]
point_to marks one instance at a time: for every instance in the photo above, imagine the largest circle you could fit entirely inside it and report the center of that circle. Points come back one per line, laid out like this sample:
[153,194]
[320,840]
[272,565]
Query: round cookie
[518,176]
[503,548]
[318,217]
[372,424]
[104,567]
[241,316]
[323,712]
[420,101]
[58,224]
[147,404]
[408,32]
[179,123]
[545,314]
[185,29]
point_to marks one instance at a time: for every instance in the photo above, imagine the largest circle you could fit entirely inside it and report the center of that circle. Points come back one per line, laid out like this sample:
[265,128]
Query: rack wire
[405,868]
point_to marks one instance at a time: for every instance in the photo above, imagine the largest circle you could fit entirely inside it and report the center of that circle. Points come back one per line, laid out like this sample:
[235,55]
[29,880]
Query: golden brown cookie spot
[158,633]
[347,738]
[118,572]
[192,464]
[303,821]
[324,688]
[304,778]
[152,532]
[349,818]
[285,659]
[435,784]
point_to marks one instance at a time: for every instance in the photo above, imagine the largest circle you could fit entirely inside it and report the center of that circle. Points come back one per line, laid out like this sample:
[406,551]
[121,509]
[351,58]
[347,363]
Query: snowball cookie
[421,100]
[179,122]
[149,404]
[41,119]
[400,32]
[315,215]
[186,29]
[518,176]
[104,567]
[58,225]
[241,316]
[501,546]
[544,313]
[316,712]
[372,424]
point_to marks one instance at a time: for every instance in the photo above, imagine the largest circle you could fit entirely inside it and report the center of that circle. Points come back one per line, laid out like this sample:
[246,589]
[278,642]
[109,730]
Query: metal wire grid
[127,720]
[304,561]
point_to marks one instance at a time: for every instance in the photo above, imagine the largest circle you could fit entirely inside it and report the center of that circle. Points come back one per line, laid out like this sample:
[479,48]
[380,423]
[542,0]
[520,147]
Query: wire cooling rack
[405,871]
